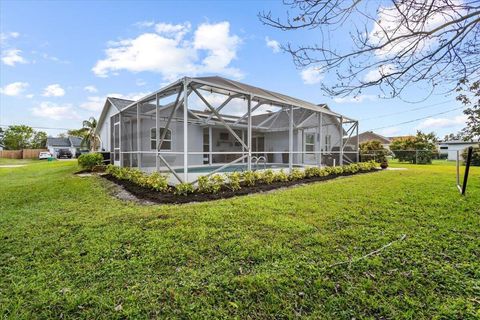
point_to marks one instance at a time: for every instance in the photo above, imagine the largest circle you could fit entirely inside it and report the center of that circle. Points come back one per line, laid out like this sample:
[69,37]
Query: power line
[45,128]
[415,120]
[402,112]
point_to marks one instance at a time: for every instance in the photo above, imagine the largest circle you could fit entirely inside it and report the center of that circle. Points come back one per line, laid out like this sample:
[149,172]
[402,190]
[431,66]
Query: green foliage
[250,178]
[281,176]
[312,172]
[267,176]
[216,183]
[234,180]
[419,149]
[90,160]
[153,181]
[469,96]
[475,156]
[183,189]
[296,174]
[204,185]
[373,150]
[23,137]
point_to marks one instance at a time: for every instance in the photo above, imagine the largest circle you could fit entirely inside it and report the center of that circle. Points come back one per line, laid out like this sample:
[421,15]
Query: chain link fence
[406,156]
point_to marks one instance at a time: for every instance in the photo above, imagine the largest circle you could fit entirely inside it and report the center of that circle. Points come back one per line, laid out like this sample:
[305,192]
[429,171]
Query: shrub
[419,149]
[183,189]
[281,176]
[157,182]
[90,160]
[351,168]
[475,156]
[234,181]
[313,172]
[250,178]
[267,176]
[296,174]
[216,183]
[153,181]
[204,184]
[373,150]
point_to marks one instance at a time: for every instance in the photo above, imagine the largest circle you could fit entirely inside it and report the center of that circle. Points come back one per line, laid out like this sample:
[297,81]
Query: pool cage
[201,126]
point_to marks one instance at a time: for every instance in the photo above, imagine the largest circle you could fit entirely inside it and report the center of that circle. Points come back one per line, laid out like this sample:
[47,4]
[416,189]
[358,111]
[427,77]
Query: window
[328,142]
[309,142]
[443,148]
[224,136]
[167,141]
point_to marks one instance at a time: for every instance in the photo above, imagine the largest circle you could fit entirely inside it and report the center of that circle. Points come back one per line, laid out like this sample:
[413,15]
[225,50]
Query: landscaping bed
[148,194]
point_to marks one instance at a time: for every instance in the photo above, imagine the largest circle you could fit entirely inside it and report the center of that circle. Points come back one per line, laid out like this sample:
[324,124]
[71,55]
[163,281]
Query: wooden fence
[21,154]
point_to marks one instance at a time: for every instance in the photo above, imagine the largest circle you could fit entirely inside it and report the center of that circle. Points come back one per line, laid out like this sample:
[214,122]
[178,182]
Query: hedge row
[233,181]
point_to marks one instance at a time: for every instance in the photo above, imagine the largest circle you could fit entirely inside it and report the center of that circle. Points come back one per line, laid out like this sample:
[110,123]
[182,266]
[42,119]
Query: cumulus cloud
[91,89]
[93,104]
[382,71]
[129,96]
[356,99]
[11,57]
[53,90]
[311,75]
[4,36]
[14,89]
[54,111]
[272,44]
[390,132]
[211,49]
[443,122]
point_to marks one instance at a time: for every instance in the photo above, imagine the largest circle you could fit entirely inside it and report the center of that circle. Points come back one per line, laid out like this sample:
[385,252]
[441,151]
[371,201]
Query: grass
[68,249]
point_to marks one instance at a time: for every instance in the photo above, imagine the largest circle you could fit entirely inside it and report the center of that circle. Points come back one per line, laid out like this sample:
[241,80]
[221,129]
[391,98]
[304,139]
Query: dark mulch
[164,197]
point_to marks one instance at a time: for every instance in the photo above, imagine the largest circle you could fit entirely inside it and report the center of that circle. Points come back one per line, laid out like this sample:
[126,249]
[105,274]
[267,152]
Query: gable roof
[58,142]
[75,141]
[370,136]
[120,103]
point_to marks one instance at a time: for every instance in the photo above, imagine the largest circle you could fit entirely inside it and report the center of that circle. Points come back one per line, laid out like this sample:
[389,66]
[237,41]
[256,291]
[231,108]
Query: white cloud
[311,75]
[14,89]
[93,104]
[356,99]
[54,111]
[90,89]
[4,36]
[378,73]
[129,96]
[53,90]
[10,57]
[54,59]
[273,44]
[29,96]
[389,25]
[144,24]
[390,132]
[443,122]
[211,50]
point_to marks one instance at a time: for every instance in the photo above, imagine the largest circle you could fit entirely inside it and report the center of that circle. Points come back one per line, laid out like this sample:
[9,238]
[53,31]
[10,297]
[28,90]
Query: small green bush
[216,183]
[157,182]
[90,160]
[267,176]
[281,176]
[250,178]
[475,156]
[296,174]
[313,172]
[234,181]
[153,181]
[204,184]
[183,189]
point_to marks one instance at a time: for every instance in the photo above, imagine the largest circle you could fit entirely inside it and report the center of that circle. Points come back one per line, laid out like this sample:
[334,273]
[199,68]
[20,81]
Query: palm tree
[90,139]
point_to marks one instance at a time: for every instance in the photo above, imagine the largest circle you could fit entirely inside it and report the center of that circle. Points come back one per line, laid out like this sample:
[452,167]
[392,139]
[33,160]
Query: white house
[451,147]
[204,125]
[71,143]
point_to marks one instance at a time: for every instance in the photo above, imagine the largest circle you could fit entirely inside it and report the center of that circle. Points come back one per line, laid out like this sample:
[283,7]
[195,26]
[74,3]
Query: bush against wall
[419,149]
[475,156]
[89,160]
[373,151]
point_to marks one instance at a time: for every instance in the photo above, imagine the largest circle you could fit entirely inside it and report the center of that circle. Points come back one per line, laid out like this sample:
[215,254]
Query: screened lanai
[200,126]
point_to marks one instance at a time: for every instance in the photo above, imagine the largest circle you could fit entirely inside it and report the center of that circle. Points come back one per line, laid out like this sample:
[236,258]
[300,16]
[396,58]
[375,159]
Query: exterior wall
[453,148]
[104,129]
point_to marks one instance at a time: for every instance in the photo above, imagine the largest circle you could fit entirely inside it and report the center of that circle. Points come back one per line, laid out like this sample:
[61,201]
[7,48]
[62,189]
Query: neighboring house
[1,147]
[54,144]
[371,136]
[450,148]
[217,131]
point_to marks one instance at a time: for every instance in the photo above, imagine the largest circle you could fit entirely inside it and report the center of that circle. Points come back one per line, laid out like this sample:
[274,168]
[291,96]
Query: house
[200,126]
[1,147]
[54,144]
[372,136]
[450,148]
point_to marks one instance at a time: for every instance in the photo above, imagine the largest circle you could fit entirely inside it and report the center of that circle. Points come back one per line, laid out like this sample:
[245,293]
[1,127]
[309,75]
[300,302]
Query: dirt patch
[151,196]
[118,191]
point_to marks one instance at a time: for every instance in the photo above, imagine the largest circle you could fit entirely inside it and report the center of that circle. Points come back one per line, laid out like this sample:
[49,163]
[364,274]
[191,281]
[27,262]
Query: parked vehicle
[44,155]
[78,152]
[64,153]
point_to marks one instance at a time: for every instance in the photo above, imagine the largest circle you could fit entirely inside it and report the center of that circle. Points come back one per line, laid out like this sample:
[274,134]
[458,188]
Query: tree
[23,137]
[419,149]
[80,133]
[409,42]
[470,97]
[373,150]
[90,139]
[2,133]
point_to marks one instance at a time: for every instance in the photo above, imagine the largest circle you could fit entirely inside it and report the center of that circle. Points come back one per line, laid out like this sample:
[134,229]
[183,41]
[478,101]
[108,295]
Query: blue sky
[60,59]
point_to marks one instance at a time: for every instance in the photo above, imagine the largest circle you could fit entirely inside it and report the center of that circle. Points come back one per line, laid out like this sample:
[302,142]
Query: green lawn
[70,250]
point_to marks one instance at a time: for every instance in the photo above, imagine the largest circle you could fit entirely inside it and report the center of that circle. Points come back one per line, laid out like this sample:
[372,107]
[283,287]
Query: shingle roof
[75,141]
[370,136]
[120,103]
[58,142]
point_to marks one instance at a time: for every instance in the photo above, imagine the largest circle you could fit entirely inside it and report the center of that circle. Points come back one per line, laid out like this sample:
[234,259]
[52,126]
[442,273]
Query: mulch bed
[163,197]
